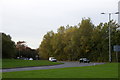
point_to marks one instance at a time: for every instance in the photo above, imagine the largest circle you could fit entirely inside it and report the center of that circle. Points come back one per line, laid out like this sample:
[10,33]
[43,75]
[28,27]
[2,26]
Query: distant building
[119,12]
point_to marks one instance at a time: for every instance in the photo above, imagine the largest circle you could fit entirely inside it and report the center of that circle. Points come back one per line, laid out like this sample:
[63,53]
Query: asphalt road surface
[66,64]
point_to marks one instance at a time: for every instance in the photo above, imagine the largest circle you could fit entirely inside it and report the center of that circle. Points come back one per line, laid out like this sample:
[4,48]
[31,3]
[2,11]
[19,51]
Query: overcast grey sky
[30,20]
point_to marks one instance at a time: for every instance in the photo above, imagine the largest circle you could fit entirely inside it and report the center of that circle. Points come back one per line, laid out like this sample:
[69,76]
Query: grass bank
[109,70]
[14,63]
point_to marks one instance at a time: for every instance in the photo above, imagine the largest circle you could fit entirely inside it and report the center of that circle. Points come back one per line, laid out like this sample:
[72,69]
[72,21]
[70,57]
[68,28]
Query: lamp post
[110,59]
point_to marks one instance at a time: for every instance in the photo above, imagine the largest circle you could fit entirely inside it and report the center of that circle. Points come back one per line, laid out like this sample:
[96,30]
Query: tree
[23,51]
[84,40]
[71,41]
[86,31]
[8,47]
[46,47]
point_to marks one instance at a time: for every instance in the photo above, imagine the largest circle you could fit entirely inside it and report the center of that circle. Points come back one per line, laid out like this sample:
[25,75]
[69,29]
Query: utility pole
[110,59]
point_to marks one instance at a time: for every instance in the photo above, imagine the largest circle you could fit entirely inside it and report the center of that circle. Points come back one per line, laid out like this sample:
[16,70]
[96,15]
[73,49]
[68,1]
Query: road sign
[116,48]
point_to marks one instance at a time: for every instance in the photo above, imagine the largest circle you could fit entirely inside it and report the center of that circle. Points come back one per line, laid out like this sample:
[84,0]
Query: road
[66,64]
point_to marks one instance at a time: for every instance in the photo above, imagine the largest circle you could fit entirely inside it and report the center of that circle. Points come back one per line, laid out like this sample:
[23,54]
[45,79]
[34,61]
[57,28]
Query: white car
[31,59]
[52,59]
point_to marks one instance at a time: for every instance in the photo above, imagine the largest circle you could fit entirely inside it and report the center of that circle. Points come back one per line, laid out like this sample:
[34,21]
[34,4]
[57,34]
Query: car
[84,60]
[53,59]
[31,59]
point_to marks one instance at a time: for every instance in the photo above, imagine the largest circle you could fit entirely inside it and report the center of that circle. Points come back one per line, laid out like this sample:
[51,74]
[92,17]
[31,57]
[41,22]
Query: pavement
[66,64]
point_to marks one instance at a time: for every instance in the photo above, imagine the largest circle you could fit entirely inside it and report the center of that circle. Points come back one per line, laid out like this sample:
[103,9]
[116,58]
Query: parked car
[84,60]
[52,59]
[31,59]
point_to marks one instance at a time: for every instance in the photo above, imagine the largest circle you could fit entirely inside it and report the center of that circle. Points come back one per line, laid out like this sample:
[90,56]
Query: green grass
[14,63]
[109,70]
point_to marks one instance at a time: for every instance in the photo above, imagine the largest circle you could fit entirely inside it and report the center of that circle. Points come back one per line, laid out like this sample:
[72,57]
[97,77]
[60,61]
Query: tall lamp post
[110,59]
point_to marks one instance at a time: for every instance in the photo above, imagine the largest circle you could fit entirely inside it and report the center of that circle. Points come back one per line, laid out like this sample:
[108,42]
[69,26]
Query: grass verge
[14,63]
[109,70]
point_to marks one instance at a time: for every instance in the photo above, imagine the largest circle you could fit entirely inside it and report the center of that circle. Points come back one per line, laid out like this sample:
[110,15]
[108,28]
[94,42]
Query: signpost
[116,49]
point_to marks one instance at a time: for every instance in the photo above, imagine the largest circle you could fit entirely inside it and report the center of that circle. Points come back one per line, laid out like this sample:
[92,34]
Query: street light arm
[111,13]
[102,13]
[117,13]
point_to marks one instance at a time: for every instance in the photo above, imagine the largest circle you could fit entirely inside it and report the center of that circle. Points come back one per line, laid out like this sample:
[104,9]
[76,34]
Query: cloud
[30,20]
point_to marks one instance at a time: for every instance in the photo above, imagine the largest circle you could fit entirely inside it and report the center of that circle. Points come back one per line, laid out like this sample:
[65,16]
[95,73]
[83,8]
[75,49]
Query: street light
[110,33]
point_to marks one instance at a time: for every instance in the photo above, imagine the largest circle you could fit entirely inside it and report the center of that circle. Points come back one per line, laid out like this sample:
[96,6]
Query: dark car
[84,60]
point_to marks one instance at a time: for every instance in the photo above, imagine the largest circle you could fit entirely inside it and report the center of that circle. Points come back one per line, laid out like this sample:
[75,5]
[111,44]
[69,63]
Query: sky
[30,20]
